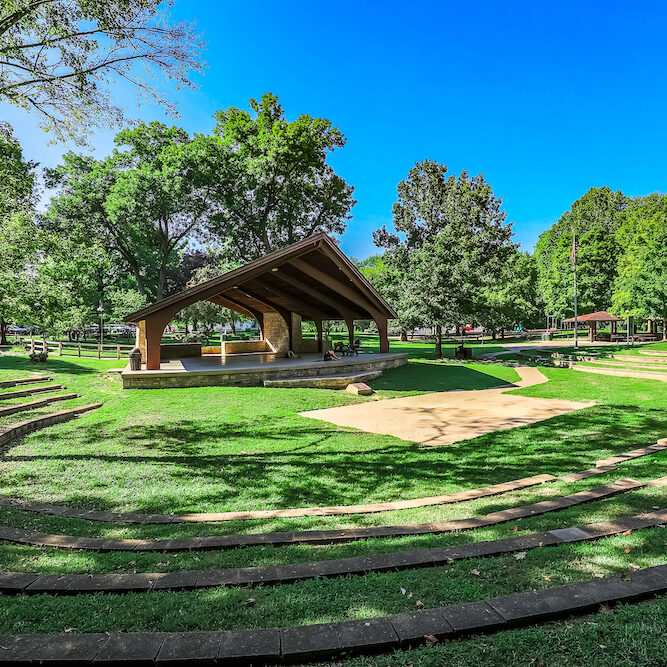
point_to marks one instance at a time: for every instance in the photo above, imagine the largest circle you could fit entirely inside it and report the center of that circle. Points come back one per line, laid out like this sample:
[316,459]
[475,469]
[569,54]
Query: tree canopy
[595,219]
[455,244]
[58,58]
[273,183]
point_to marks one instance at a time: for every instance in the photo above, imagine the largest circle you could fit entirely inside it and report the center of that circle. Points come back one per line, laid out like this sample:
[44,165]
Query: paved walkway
[446,417]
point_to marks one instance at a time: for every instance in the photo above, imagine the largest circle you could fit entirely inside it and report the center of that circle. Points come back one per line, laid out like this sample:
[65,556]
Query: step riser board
[22,381]
[34,405]
[217,542]
[322,382]
[317,642]
[14,583]
[29,392]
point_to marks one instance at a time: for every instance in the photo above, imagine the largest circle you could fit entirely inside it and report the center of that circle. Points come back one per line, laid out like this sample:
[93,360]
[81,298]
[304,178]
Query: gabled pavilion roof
[600,316]
[312,278]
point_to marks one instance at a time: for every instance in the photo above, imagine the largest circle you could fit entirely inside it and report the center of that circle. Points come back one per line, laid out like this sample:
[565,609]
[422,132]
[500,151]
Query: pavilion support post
[155,325]
[350,330]
[320,338]
[381,323]
[592,328]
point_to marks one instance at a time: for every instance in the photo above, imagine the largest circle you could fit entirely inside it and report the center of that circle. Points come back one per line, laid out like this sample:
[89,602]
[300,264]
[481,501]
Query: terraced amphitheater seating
[36,538]
[601,468]
[309,642]
[21,428]
[72,584]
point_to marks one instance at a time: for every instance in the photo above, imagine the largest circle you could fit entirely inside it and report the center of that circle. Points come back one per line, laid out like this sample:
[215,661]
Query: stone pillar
[276,332]
[140,340]
[296,337]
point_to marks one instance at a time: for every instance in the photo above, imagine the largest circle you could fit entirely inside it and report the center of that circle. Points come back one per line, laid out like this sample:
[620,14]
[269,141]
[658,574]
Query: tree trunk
[438,342]
[3,331]
[502,333]
[232,325]
[404,336]
[493,334]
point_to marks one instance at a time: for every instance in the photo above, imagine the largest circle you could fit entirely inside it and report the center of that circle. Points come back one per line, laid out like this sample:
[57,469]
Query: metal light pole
[100,310]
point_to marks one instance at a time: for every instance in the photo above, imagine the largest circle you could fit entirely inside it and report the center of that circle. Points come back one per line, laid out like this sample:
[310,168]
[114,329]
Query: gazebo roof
[312,278]
[600,316]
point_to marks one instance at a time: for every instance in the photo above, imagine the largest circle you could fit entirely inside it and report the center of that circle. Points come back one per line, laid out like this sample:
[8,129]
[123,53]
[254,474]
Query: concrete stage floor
[251,369]
[446,417]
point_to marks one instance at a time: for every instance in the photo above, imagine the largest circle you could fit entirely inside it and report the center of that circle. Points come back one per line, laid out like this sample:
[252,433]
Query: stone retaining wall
[253,377]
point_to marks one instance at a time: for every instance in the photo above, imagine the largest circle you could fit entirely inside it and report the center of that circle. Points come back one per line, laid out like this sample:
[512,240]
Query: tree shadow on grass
[287,464]
[435,377]
[13,362]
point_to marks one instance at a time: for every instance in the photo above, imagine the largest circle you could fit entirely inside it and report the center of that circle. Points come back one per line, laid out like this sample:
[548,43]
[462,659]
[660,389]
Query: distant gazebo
[592,320]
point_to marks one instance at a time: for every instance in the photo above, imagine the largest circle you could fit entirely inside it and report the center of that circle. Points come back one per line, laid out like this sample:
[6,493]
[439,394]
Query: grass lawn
[219,448]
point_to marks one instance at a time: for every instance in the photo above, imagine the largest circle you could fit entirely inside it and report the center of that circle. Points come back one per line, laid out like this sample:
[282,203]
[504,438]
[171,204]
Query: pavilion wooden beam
[345,313]
[299,306]
[342,289]
[350,273]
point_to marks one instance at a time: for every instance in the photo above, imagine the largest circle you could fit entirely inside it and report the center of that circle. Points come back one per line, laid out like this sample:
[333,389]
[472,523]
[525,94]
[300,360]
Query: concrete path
[446,417]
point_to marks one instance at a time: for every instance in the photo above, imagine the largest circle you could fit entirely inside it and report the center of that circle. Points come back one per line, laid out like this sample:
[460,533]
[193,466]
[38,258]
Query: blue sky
[545,99]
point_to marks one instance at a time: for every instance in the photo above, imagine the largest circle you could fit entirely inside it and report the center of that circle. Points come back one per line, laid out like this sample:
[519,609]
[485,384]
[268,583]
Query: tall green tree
[145,202]
[58,57]
[455,244]
[641,284]
[18,238]
[595,219]
[273,183]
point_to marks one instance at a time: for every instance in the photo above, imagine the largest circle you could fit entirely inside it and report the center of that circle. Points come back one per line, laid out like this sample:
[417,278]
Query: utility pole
[574,261]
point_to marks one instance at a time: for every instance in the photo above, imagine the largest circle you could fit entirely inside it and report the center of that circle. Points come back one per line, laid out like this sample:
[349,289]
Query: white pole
[576,318]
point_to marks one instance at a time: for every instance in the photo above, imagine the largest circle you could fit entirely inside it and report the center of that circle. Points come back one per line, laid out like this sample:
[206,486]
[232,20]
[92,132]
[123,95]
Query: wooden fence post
[79,349]
[99,351]
[32,346]
[117,351]
[60,349]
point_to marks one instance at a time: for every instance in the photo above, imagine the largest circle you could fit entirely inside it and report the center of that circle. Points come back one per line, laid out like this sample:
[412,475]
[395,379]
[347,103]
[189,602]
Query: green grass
[218,448]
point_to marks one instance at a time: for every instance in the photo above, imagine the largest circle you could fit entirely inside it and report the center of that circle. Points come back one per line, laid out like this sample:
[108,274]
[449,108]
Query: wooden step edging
[327,640]
[219,517]
[33,405]
[621,372]
[234,541]
[21,381]
[28,392]
[14,583]
[21,428]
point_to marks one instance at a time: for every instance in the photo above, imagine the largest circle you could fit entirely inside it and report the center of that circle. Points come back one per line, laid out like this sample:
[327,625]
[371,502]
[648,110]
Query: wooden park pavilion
[309,280]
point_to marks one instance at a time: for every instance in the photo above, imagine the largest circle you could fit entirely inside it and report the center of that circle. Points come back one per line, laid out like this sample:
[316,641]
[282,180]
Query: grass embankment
[214,449]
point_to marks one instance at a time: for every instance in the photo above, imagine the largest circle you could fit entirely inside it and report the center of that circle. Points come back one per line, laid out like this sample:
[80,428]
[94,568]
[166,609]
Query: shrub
[39,357]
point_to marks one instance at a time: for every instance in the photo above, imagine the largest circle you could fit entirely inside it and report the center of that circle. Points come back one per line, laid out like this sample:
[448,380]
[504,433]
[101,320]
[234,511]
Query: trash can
[547,336]
[135,359]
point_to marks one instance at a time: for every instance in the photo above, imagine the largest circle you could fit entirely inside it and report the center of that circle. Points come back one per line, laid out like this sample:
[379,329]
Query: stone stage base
[250,370]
